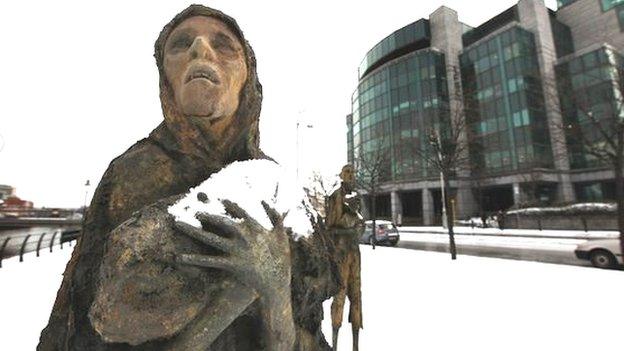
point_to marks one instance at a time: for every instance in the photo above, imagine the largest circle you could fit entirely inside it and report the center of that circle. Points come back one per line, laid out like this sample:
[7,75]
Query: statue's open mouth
[203,73]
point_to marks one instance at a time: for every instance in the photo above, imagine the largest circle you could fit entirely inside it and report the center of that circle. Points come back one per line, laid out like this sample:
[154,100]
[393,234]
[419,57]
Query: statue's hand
[256,256]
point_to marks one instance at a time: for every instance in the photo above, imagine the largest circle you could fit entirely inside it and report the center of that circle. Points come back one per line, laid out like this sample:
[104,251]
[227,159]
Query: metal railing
[20,244]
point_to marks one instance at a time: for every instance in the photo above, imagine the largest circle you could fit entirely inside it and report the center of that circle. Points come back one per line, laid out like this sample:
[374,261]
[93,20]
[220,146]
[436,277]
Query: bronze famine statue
[138,280]
[345,225]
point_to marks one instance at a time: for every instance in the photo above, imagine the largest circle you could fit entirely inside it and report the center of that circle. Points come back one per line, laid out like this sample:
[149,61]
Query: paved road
[540,250]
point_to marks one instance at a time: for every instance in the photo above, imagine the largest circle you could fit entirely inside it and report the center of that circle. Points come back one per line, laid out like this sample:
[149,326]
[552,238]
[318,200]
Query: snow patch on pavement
[576,234]
[571,209]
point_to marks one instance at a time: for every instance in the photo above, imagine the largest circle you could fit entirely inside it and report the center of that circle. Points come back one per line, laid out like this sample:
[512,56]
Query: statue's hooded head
[209,89]
[347,175]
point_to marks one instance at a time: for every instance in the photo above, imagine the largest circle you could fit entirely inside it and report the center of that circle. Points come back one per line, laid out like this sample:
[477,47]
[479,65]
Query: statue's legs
[356,336]
[337,306]
[354,292]
[350,285]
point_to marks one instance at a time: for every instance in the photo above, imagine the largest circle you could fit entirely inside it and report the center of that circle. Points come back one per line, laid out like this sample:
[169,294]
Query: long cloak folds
[177,155]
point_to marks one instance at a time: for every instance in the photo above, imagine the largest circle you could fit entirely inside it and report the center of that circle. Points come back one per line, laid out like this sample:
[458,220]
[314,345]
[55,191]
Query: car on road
[602,253]
[386,233]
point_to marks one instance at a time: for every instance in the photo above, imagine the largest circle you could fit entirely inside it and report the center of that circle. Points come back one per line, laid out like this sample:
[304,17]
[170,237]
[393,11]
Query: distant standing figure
[500,218]
[345,225]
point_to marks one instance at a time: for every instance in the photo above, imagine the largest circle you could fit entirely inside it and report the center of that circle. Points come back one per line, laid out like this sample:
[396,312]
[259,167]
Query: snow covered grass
[413,300]
[578,234]
[590,207]
[561,244]
[248,183]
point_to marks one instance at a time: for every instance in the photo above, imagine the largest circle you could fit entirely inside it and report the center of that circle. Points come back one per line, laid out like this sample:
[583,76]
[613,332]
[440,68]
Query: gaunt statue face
[205,65]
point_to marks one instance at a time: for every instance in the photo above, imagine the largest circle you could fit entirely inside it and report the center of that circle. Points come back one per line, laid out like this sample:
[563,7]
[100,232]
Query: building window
[620,14]
[562,3]
[609,4]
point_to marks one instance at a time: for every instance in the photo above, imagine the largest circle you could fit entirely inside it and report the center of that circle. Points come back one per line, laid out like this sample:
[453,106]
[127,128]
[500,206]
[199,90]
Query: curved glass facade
[418,31]
[394,107]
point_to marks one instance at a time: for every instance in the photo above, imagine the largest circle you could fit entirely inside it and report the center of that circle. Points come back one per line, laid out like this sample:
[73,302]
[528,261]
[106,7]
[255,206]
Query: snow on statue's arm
[192,274]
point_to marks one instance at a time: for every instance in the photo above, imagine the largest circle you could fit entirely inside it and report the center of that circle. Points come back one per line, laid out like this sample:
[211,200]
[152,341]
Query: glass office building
[394,107]
[511,80]
[589,86]
[504,103]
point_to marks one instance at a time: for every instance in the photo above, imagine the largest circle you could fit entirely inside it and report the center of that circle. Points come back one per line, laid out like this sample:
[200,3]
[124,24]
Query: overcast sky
[79,84]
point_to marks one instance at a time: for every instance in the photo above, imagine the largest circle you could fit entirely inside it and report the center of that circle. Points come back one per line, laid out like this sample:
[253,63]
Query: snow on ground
[413,300]
[578,234]
[27,293]
[248,183]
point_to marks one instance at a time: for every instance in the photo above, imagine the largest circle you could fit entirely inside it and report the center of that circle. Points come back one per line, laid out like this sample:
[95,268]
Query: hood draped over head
[241,139]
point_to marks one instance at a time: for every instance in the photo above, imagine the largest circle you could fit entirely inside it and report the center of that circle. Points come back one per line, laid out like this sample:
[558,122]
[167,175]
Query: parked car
[386,233]
[602,253]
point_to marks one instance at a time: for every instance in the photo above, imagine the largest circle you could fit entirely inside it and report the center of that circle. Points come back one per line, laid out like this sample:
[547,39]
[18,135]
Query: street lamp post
[309,126]
[436,143]
[444,218]
[87,184]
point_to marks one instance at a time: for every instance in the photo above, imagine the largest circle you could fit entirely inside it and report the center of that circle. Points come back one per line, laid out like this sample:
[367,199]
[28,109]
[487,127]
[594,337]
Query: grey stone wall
[590,25]
[446,36]
[552,222]
[534,17]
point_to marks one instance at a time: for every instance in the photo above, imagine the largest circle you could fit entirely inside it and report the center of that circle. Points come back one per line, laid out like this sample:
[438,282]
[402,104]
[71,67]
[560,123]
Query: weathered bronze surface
[139,281]
[345,225]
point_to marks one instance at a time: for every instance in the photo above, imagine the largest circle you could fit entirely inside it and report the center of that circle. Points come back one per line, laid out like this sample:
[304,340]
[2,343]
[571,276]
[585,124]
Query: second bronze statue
[345,226]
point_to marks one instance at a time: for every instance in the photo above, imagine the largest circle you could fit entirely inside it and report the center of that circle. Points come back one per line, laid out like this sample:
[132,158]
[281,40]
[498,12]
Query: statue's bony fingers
[204,236]
[276,219]
[235,211]
[219,225]
[205,261]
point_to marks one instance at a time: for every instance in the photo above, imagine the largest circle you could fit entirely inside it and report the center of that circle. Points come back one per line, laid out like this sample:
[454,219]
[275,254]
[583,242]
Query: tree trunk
[619,187]
[449,218]
[374,217]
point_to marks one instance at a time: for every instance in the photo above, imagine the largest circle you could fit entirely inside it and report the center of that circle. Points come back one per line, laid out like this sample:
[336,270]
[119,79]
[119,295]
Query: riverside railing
[20,244]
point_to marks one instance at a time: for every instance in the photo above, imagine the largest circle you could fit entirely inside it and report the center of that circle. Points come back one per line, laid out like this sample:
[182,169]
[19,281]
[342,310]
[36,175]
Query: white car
[602,253]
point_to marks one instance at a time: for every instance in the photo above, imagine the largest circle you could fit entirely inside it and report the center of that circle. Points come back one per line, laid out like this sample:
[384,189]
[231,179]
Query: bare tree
[319,190]
[373,168]
[593,124]
[446,153]
[478,172]
[530,187]
[447,150]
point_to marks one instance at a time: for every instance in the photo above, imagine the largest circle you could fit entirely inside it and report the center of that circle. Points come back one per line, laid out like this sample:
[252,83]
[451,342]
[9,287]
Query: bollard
[23,248]
[39,243]
[52,241]
[6,241]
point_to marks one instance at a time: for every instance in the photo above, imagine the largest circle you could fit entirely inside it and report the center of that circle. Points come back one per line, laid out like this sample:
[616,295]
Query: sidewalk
[516,233]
